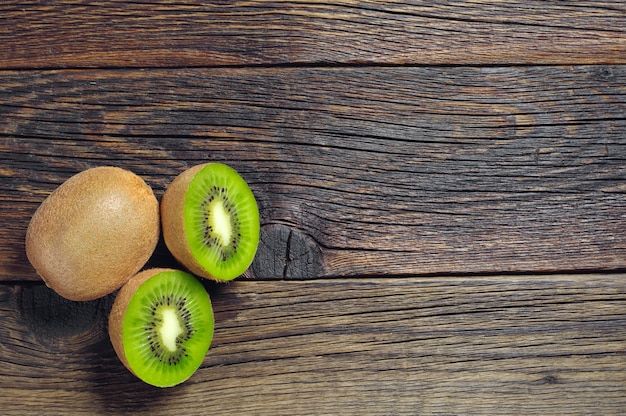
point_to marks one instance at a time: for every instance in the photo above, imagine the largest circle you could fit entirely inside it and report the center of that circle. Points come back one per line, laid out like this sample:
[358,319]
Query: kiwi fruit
[210,221]
[94,232]
[161,326]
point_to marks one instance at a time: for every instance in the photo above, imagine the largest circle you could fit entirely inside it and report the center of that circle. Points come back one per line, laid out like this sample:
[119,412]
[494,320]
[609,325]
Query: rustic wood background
[442,188]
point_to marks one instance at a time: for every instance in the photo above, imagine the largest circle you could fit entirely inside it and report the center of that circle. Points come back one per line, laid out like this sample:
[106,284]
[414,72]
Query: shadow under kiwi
[76,333]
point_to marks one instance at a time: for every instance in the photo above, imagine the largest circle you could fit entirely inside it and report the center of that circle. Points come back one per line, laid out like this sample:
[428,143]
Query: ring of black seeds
[212,240]
[160,353]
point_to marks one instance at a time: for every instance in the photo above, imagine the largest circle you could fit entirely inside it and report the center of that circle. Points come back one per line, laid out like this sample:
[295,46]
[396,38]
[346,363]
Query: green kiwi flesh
[167,328]
[221,220]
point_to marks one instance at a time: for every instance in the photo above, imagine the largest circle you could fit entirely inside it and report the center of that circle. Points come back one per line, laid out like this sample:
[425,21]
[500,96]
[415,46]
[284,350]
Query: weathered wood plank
[147,34]
[486,345]
[375,171]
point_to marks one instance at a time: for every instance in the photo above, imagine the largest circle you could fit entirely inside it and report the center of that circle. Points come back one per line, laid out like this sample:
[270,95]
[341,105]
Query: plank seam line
[311,65]
[455,276]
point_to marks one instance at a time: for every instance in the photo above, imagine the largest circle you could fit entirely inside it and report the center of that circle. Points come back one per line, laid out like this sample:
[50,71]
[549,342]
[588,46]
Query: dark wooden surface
[93,34]
[485,345]
[442,188]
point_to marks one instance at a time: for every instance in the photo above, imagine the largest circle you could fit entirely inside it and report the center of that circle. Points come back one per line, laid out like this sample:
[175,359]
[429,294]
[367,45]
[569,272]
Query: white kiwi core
[170,328]
[220,220]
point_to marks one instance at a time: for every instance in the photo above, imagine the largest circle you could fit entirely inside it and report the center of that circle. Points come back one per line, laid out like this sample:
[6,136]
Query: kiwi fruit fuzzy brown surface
[94,232]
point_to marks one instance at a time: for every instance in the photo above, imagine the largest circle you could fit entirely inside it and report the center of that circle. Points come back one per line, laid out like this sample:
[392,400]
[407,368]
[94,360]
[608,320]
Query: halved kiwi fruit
[210,221]
[161,326]
[94,232]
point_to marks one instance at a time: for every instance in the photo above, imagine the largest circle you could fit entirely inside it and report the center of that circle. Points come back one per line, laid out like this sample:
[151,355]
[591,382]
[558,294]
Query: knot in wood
[286,253]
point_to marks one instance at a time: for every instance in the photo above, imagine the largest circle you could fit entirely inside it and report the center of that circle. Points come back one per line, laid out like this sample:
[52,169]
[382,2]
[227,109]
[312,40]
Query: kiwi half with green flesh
[94,232]
[210,221]
[161,326]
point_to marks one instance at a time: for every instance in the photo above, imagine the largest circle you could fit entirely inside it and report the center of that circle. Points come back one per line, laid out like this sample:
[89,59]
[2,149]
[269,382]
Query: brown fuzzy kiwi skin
[173,222]
[118,310]
[94,232]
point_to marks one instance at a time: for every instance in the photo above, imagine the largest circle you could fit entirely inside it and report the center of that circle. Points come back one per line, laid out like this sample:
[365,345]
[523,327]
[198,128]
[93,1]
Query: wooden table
[441,185]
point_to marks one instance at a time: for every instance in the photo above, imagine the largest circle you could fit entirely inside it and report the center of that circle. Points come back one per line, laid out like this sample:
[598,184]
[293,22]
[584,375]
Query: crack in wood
[288,258]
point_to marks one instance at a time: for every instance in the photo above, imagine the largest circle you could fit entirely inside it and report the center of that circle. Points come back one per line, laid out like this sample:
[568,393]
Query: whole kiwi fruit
[161,326]
[94,232]
[210,221]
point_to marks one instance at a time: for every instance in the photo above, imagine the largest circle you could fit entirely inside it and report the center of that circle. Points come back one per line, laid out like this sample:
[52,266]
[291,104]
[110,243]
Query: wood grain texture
[442,187]
[358,171]
[82,34]
[487,345]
